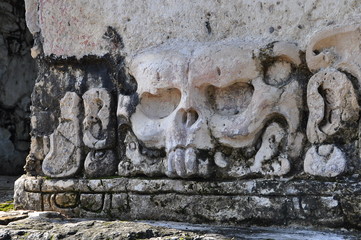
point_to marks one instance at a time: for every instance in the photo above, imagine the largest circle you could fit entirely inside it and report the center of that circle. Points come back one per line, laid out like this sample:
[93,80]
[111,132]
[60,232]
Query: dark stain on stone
[208,26]
[113,37]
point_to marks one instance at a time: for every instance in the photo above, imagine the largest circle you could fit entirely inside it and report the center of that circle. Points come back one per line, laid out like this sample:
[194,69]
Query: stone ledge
[266,202]
[260,187]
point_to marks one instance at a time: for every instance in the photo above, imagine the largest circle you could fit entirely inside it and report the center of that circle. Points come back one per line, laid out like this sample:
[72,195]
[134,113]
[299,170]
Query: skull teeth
[171,164]
[179,162]
[182,162]
[191,161]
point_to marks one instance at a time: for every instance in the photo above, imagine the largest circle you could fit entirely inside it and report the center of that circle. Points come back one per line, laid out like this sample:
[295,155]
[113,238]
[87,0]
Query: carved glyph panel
[65,154]
[98,124]
[333,103]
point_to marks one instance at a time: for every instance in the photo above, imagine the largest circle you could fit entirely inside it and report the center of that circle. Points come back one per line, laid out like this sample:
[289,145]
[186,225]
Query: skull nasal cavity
[189,117]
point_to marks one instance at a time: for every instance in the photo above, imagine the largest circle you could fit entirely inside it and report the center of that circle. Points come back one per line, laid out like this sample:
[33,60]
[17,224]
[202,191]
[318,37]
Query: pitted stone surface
[193,98]
[224,117]
[64,156]
[44,225]
[332,102]
[79,29]
[325,161]
[176,200]
[99,120]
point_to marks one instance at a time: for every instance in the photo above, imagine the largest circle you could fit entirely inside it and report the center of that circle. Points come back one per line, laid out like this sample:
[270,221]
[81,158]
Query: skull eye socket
[230,100]
[161,104]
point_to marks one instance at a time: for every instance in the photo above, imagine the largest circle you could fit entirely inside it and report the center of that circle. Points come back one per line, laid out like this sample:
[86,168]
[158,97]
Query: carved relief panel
[199,100]
[65,154]
[333,103]
[219,110]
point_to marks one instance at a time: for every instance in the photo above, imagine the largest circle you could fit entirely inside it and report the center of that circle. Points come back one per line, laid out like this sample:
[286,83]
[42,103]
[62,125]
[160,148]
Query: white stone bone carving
[124,103]
[65,154]
[325,161]
[336,47]
[99,132]
[270,151]
[244,126]
[191,95]
[100,163]
[167,115]
[332,102]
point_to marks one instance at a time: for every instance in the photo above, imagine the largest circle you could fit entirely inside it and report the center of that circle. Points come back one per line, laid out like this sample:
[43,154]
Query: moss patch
[7,206]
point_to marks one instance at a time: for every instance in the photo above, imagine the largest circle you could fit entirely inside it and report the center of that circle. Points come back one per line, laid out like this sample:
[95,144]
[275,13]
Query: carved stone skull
[197,97]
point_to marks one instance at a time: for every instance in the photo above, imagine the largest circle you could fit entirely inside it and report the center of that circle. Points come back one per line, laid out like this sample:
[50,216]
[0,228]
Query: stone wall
[17,78]
[211,111]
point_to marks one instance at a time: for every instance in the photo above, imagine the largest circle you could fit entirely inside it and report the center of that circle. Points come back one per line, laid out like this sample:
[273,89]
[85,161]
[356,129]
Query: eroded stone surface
[79,29]
[65,155]
[205,113]
[271,141]
[319,202]
[332,103]
[216,89]
[99,163]
[99,126]
[136,163]
[335,47]
[325,161]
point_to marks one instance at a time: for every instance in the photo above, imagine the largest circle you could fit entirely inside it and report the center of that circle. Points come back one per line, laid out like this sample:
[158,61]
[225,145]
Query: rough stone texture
[195,99]
[212,111]
[326,161]
[99,125]
[332,102]
[64,31]
[266,202]
[65,154]
[44,225]
[17,77]
[47,225]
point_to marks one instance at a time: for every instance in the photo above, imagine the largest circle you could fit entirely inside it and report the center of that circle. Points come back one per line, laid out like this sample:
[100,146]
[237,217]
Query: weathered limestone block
[77,29]
[288,201]
[65,200]
[211,117]
[24,199]
[332,103]
[323,210]
[325,161]
[91,202]
[65,156]
[351,206]
[120,205]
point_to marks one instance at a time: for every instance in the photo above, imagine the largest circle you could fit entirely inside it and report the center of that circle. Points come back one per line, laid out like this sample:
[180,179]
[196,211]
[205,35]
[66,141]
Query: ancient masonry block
[230,131]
